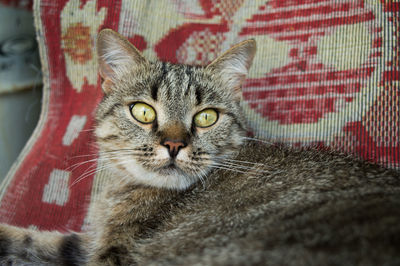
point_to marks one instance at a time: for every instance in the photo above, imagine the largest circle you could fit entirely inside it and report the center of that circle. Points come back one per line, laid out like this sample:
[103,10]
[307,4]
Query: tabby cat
[187,187]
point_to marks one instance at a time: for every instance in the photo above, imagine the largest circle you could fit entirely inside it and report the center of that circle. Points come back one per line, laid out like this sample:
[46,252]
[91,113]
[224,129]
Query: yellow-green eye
[206,118]
[143,113]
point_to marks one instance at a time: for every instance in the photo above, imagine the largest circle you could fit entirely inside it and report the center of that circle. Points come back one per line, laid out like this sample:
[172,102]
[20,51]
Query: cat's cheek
[106,128]
[183,155]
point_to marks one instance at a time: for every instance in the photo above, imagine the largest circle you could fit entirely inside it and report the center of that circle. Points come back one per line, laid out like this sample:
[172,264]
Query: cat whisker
[84,175]
[119,155]
[94,169]
[240,161]
[103,167]
[200,173]
[227,164]
[233,166]
[241,167]
[90,172]
[97,154]
[76,165]
[85,155]
[229,169]
[255,139]
[97,159]
[76,181]
[249,166]
[90,129]
[132,149]
[93,145]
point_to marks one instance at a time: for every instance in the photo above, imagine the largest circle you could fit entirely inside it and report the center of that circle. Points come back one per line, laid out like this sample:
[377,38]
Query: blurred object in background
[20,79]
[19,59]
[19,113]
[26,4]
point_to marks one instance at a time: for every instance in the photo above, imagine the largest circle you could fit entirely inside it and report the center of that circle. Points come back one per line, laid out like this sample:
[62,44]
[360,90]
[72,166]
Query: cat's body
[188,188]
[307,208]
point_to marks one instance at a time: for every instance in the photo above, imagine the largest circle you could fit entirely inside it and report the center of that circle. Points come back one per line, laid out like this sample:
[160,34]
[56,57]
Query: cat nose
[173,146]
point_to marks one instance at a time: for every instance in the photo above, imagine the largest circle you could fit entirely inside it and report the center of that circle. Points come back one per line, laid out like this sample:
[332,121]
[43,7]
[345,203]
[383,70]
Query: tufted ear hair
[116,56]
[233,66]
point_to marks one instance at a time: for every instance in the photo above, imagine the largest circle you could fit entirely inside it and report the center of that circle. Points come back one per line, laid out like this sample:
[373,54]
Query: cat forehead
[164,81]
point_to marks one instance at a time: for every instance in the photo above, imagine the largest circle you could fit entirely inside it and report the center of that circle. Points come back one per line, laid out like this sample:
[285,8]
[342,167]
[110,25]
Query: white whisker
[91,171]
[108,165]
[264,141]
[85,155]
[233,166]
[76,165]
[226,168]
[85,130]
[240,161]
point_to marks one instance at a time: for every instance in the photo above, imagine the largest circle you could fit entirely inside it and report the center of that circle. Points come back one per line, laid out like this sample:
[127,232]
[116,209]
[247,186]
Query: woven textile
[326,73]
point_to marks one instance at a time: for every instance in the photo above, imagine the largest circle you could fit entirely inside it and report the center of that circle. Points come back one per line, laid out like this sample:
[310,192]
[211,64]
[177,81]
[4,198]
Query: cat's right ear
[116,56]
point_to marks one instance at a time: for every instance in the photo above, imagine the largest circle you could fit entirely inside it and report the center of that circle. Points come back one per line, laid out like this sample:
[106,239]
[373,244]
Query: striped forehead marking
[156,85]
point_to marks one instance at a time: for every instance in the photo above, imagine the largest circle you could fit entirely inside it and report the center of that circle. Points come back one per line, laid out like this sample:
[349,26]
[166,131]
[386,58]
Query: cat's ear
[233,66]
[116,57]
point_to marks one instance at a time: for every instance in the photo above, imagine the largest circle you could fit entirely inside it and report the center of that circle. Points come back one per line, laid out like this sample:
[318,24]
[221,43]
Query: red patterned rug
[326,73]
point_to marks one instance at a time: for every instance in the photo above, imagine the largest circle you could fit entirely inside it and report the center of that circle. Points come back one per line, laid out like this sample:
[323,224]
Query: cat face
[168,125]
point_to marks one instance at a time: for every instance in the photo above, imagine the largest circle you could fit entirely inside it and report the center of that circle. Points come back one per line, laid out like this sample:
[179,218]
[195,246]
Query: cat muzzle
[173,146]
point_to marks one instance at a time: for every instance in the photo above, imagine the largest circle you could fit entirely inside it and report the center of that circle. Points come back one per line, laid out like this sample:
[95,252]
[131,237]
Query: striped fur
[177,93]
[256,204]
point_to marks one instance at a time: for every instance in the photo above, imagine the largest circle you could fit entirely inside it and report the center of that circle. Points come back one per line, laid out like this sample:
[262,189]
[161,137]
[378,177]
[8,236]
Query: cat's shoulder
[312,162]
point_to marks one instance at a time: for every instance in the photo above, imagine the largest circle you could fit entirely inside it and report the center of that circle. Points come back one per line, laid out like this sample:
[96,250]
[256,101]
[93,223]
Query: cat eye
[206,118]
[143,113]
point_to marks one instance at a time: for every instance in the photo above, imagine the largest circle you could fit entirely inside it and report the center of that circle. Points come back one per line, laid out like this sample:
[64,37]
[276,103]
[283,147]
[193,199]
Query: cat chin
[169,178]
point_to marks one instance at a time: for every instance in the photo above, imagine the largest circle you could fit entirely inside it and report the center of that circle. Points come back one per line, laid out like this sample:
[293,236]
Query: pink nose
[173,146]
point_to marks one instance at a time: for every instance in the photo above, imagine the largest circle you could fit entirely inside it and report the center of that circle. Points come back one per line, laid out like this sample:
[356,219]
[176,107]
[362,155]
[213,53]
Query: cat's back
[280,206]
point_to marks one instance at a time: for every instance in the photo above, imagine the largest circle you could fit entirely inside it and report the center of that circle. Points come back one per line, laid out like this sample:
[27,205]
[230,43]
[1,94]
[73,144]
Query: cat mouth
[169,168]
[170,165]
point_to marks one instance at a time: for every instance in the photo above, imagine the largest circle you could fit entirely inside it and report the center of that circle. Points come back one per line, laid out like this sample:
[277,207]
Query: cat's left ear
[233,66]
[117,56]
